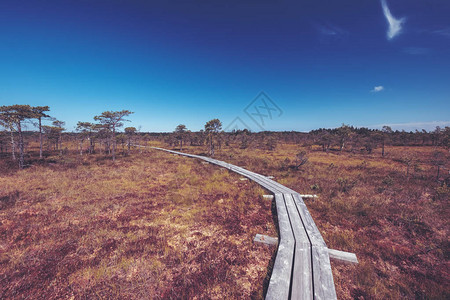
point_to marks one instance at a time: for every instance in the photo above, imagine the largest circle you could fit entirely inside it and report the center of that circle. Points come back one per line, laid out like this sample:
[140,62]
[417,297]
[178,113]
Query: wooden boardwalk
[302,268]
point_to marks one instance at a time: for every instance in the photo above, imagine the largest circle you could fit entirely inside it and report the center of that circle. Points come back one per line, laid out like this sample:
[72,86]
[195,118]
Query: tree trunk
[114,143]
[21,147]
[40,138]
[13,145]
[60,144]
[91,148]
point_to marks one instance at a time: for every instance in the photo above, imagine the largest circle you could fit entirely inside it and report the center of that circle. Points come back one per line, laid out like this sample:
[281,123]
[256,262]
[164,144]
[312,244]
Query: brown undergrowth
[394,219]
[150,226]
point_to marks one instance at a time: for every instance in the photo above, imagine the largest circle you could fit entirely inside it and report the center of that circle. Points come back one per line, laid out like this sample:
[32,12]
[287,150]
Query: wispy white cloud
[395,25]
[329,29]
[416,50]
[329,32]
[444,32]
[411,126]
[377,89]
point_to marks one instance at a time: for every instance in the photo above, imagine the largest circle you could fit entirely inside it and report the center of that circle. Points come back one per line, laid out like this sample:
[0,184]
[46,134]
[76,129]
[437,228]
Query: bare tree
[180,132]
[7,122]
[130,131]
[212,128]
[301,158]
[58,126]
[14,116]
[38,112]
[344,132]
[121,137]
[85,129]
[114,120]
[386,131]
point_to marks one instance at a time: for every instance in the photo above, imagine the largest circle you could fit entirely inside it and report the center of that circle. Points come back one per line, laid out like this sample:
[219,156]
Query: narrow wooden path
[302,268]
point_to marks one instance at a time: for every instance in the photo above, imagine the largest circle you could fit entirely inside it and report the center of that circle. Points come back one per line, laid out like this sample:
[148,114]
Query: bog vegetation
[91,214]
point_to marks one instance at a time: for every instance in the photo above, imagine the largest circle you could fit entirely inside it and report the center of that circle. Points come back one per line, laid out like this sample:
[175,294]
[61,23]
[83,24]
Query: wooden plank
[265,239]
[281,274]
[266,185]
[279,186]
[311,228]
[258,179]
[345,257]
[279,286]
[302,283]
[322,275]
[269,184]
[309,196]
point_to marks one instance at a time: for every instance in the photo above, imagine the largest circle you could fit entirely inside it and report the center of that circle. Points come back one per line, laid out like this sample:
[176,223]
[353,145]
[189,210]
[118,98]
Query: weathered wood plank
[322,275]
[265,239]
[311,228]
[302,283]
[345,257]
[309,196]
[280,280]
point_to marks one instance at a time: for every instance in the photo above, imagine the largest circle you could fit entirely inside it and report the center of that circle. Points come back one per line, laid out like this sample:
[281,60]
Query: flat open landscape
[153,225]
[156,225]
[186,149]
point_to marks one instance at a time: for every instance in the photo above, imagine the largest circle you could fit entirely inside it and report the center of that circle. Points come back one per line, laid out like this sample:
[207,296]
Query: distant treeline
[103,136]
[344,138]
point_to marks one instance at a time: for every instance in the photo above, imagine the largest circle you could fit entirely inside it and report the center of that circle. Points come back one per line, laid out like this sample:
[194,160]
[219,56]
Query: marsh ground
[397,224]
[151,225]
[155,225]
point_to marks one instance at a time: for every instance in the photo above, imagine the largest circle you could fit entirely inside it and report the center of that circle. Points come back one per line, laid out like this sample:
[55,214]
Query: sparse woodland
[89,214]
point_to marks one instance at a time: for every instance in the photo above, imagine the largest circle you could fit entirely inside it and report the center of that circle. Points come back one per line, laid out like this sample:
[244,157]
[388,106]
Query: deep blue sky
[188,61]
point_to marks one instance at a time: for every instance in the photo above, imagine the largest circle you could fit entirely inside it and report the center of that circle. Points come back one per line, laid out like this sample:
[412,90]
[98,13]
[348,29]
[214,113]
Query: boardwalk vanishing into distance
[302,268]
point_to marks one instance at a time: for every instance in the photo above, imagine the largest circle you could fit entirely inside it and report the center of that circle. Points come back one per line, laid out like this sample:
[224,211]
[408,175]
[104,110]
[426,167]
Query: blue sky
[323,63]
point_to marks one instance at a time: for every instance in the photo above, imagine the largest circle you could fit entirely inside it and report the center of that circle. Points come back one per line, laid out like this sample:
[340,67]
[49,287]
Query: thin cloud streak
[395,25]
[330,33]
[416,50]
[330,30]
[443,32]
[377,89]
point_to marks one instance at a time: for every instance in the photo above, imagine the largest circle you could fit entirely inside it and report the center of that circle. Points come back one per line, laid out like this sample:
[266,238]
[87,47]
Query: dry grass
[151,226]
[397,225]
[155,225]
